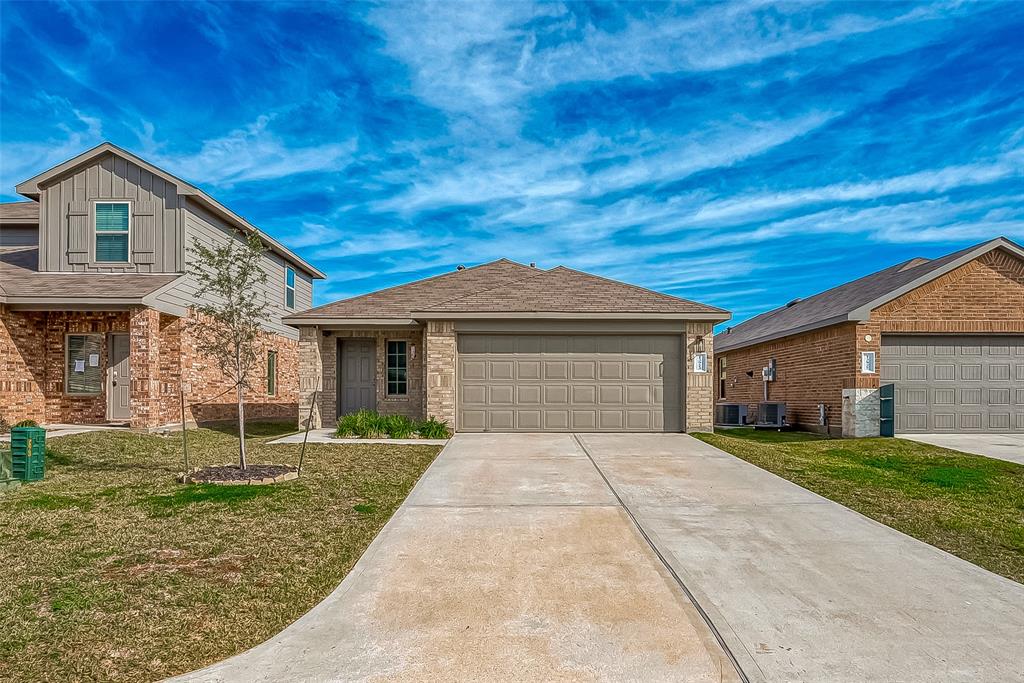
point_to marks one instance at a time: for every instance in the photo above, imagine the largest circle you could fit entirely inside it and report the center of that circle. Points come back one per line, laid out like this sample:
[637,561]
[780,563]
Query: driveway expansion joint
[668,566]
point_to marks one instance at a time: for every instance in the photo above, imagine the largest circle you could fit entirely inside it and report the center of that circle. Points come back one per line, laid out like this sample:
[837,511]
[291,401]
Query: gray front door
[955,383]
[119,377]
[570,382]
[357,387]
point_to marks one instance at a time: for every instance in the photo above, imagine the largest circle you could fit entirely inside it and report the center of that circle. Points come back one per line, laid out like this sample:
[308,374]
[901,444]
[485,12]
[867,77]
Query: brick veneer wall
[318,359]
[32,356]
[811,368]
[983,296]
[21,366]
[440,356]
[700,415]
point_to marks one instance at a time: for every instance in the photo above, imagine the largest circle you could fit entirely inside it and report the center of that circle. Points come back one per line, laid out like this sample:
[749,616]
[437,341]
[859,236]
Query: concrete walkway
[56,430]
[1001,446]
[327,436]
[511,560]
[804,589]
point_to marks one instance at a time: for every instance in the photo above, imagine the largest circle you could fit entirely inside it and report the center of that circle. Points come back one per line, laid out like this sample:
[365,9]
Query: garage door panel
[969,383]
[570,382]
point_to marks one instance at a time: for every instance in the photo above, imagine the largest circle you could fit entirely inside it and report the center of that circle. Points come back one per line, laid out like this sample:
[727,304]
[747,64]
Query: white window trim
[67,362]
[127,203]
[700,362]
[387,394]
[289,269]
[864,355]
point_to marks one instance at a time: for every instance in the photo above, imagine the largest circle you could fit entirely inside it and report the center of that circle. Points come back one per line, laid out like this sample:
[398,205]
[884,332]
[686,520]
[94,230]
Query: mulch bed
[233,473]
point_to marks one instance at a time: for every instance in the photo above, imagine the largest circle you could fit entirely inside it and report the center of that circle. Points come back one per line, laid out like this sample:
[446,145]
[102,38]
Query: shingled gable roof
[854,300]
[21,283]
[32,188]
[507,289]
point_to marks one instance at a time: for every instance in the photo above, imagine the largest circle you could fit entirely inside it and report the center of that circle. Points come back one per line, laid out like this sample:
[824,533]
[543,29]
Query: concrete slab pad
[811,590]
[504,590]
[1000,446]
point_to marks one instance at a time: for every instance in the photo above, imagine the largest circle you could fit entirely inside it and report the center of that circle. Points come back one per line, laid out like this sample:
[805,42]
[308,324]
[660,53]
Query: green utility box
[28,453]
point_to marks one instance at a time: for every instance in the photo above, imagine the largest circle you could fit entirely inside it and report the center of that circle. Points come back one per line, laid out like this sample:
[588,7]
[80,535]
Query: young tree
[227,326]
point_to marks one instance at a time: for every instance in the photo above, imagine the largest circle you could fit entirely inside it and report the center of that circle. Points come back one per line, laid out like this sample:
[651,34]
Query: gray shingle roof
[504,287]
[848,301]
[19,212]
[20,281]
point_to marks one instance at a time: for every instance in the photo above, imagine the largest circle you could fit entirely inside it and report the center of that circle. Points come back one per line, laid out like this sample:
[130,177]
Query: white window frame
[866,367]
[387,382]
[287,288]
[67,362]
[95,232]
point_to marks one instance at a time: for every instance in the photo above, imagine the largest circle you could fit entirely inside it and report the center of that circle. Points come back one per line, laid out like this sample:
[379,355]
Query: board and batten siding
[66,230]
[211,230]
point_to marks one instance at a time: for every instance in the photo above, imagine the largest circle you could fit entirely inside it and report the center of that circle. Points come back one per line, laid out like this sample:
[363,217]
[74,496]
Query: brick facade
[162,358]
[700,415]
[984,296]
[318,360]
[441,351]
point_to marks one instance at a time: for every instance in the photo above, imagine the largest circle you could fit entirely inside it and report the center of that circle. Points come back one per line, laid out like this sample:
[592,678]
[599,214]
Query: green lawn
[968,505]
[112,571]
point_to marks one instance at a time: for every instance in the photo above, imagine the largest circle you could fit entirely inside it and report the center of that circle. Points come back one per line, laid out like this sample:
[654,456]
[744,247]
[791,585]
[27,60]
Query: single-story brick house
[508,347]
[95,298]
[947,333]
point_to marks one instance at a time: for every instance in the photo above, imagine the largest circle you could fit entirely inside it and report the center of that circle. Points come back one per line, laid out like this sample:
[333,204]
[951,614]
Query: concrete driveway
[804,589]
[511,560]
[1002,446]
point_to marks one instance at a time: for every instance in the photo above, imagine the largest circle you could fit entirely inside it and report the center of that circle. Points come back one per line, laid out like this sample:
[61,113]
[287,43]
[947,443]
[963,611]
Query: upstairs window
[397,369]
[112,229]
[289,288]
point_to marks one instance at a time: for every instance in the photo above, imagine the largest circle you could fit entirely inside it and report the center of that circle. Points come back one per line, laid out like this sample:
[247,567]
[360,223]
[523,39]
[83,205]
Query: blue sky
[737,154]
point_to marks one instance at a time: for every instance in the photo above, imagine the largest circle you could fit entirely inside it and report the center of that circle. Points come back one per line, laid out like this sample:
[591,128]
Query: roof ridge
[537,272]
[640,288]
[392,288]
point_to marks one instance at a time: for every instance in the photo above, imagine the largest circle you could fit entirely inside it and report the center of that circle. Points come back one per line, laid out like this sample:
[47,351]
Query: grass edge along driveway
[968,505]
[112,571]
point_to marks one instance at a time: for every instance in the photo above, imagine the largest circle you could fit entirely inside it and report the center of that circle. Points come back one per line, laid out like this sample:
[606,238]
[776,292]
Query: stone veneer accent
[163,357]
[861,412]
[440,355]
[700,391]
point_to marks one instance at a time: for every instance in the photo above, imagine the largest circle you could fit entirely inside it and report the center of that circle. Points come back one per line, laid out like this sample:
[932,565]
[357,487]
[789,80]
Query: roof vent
[460,267]
[533,264]
[794,302]
[912,263]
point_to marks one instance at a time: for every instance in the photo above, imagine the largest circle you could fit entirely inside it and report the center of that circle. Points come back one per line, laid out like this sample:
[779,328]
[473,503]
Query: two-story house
[95,299]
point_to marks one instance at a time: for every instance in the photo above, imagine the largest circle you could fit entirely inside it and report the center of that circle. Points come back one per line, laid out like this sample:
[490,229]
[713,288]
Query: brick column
[439,343]
[700,386]
[311,376]
[145,367]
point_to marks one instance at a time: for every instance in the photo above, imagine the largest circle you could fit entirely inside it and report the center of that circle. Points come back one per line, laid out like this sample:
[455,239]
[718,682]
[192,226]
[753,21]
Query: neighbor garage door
[580,383]
[956,383]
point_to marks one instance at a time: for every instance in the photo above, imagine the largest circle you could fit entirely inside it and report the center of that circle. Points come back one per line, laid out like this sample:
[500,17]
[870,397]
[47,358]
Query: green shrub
[399,426]
[27,423]
[433,429]
[364,424]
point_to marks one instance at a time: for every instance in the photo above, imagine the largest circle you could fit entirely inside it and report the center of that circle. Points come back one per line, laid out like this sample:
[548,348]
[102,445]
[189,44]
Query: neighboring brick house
[508,347]
[95,299]
[948,333]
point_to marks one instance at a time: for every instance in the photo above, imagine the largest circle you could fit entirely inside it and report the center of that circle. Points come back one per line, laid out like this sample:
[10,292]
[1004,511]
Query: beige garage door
[585,383]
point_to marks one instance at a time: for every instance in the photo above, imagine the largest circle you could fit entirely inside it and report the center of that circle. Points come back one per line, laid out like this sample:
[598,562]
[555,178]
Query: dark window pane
[81,376]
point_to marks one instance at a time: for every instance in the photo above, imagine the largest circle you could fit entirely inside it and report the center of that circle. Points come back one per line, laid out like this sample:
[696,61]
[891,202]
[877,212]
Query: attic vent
[913,263]
[460,267]
[794,302]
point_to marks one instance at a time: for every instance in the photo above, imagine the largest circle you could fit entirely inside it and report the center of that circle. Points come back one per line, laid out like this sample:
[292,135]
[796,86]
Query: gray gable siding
[66,226]
[207,228]
[18,236]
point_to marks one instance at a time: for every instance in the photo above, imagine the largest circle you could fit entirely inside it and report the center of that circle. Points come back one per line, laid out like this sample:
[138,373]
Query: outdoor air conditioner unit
[731,414]
[771,414]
